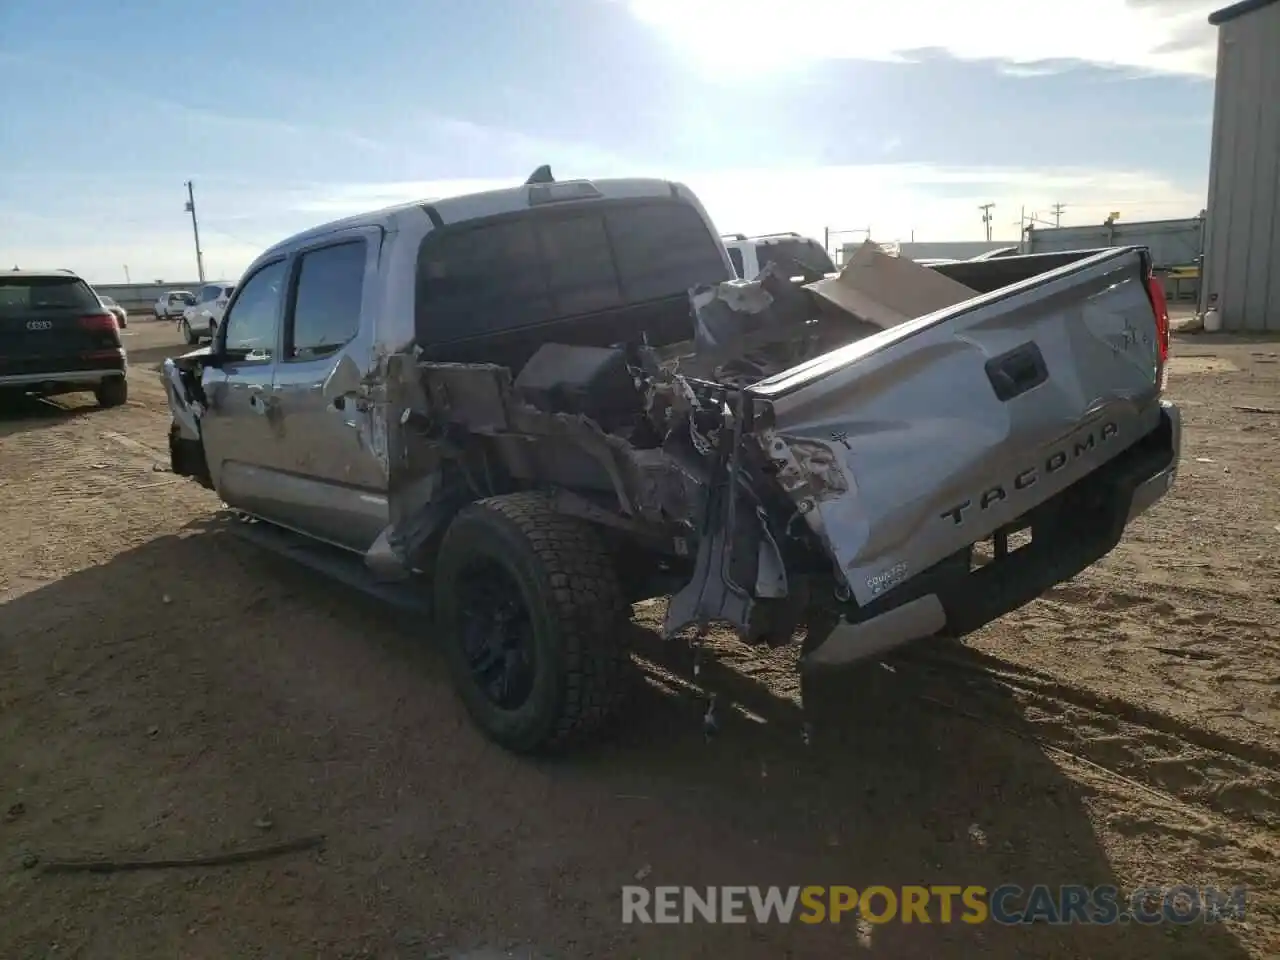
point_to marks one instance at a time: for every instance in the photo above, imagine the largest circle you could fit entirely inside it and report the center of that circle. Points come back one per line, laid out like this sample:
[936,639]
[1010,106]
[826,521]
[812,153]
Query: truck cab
[294,382]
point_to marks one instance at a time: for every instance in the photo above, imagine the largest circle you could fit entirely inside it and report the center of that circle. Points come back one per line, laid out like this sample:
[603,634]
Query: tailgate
[907,446]
[43,327]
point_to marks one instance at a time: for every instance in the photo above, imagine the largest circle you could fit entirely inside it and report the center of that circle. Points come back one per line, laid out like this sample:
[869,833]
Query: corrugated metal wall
[1242,256]
[1173,243]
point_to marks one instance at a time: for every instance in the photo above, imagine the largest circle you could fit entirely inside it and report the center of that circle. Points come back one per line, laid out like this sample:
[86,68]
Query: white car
[201,319]
[750,255]
[171,304]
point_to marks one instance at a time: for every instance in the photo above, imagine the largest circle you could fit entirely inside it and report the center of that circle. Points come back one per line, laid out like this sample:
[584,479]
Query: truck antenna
[541,175]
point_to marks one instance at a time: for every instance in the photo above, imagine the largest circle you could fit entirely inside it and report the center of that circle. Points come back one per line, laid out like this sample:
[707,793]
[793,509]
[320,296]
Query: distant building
[1241,275]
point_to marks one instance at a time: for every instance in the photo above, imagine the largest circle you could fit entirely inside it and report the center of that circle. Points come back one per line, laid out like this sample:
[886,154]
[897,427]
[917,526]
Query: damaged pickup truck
[545,403]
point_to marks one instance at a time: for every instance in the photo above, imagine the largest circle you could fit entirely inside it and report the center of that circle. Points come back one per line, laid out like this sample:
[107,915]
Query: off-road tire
[569,587]
[112,392]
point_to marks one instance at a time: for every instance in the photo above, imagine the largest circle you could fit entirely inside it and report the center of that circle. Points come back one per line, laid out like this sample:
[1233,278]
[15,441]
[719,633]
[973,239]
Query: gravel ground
[168,690]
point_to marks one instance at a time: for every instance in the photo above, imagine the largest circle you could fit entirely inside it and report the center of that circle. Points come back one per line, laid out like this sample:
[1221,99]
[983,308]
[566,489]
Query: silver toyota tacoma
[538,405]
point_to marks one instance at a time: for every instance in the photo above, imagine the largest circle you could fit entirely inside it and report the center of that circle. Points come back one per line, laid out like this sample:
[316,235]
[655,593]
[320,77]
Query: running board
[337,564]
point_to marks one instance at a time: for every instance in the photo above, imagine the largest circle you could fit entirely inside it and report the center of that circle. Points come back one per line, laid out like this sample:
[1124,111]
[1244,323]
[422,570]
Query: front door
[239,425]
[329,457]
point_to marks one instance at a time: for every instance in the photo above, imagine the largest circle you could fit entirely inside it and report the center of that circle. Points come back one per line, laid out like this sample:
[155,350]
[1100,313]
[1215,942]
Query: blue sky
[798,115]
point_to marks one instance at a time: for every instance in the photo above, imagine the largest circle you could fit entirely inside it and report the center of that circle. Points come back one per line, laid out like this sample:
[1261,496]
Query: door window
[326,301]
[252,322]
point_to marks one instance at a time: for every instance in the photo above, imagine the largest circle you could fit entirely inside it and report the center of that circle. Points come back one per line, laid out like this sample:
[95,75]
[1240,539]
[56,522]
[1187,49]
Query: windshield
[184,297]
[18,294]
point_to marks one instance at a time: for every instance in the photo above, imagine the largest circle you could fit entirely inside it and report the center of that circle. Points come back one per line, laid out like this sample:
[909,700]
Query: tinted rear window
[560,263]
[786,252]
[20,294]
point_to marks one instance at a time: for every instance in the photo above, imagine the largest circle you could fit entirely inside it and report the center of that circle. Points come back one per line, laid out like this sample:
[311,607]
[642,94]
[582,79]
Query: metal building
[1241,275]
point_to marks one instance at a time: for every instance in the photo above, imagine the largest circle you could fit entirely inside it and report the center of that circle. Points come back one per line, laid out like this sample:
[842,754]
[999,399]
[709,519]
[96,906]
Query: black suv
[57,337]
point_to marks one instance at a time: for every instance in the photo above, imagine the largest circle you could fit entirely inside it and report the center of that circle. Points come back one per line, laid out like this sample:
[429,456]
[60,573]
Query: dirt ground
[167,690]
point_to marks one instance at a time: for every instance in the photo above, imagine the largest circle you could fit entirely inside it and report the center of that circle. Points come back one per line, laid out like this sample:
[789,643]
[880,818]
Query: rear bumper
[1147,492]
[1071,532]
[89,378]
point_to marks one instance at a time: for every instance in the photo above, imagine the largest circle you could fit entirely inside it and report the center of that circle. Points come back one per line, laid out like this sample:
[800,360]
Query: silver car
[120,313]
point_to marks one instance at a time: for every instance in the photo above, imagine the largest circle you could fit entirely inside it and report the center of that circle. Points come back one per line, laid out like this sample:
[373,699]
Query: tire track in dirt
[1167,755]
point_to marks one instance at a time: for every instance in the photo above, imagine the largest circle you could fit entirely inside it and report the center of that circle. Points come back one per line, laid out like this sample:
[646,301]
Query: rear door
[220,306]
[43,326]
[239,425]
[202,315]
[907,446]
[332,477]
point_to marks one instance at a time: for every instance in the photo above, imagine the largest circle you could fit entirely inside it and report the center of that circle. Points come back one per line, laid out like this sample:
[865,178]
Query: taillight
[1160,306]
[100,323]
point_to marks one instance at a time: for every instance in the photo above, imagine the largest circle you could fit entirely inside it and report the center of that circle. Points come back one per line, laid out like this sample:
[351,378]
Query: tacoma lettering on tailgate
[1031,476]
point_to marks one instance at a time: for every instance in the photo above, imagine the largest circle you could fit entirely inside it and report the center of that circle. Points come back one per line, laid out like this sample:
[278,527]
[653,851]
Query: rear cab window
[787,253]
[555,263]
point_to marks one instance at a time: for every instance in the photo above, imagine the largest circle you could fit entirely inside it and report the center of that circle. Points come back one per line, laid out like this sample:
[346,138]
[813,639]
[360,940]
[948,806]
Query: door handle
[344,401]
[259,399]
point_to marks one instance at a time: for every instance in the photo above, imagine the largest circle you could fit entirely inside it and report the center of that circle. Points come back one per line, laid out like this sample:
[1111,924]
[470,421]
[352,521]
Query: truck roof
[475,206]
[56,272]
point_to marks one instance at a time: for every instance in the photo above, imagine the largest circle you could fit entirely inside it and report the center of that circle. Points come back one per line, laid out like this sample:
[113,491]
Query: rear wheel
[112,392]
[532,620]
[187,333]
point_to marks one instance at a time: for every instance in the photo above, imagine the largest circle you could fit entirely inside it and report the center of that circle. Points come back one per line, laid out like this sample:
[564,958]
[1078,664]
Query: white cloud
[894,200]
[737,38]
[936,202]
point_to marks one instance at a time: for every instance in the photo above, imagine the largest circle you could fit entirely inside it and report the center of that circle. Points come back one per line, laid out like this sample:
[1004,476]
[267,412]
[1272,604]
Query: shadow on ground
[197,692]
[23,412]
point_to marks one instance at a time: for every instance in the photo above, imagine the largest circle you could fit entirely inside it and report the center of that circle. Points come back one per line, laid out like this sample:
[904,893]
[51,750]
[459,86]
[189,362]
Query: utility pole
[1057,214]
[986,218]
[126,274]
[195,228]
